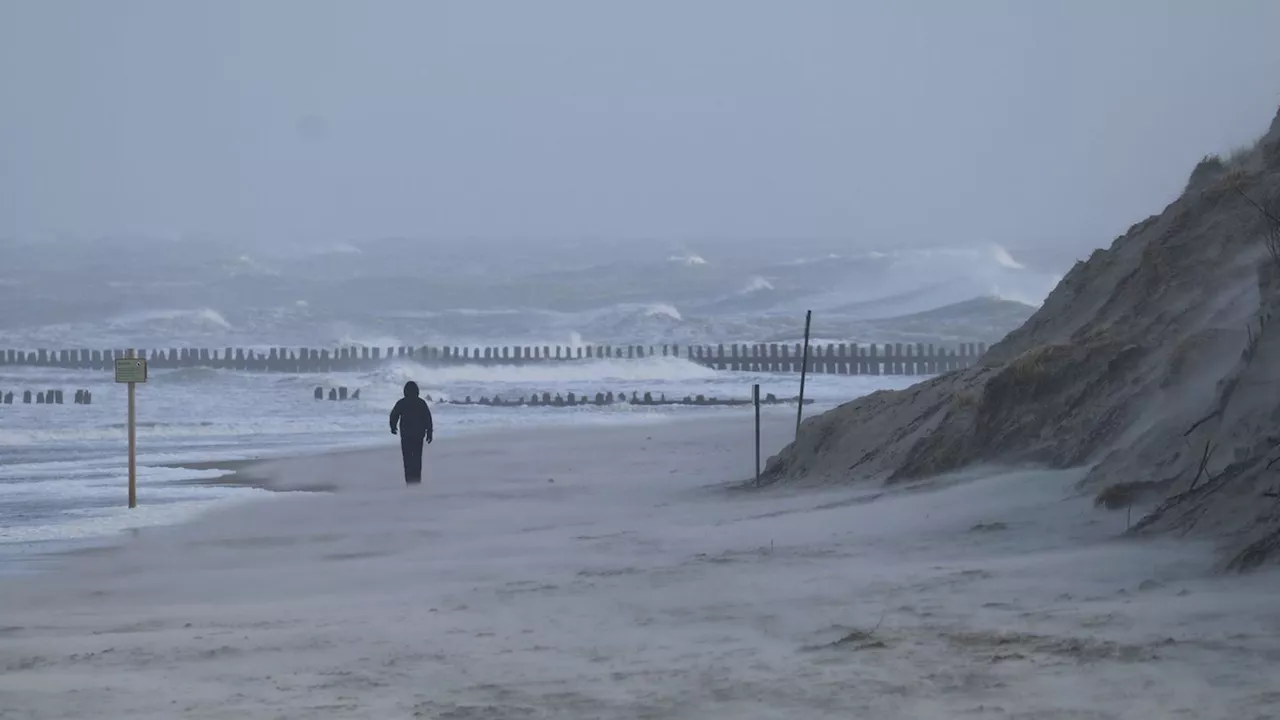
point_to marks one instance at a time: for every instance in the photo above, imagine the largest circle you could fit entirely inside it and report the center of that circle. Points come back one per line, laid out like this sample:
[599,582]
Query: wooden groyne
[608,398]
[841,359]
[45,397]
[558,400]
[340,393]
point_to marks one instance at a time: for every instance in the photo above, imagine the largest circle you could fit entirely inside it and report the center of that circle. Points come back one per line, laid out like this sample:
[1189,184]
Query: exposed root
[1272,239]
[1251,347]
[1192,515]
[1274,460]
[1256,553]
[1209,447]
[1202,421]
[1125,494]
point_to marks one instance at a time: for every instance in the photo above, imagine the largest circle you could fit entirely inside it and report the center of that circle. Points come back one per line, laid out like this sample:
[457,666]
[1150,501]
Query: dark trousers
[411,449]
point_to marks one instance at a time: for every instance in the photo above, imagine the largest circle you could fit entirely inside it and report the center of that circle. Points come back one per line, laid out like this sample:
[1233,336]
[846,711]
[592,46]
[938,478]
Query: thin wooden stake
[804,370]
[755,395]
[133,444]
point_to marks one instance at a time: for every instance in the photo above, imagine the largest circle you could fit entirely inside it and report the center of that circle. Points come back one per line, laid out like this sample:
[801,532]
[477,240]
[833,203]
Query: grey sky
[1021,122]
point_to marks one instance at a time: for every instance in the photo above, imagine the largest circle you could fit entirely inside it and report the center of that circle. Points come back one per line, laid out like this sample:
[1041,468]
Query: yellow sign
[131,370]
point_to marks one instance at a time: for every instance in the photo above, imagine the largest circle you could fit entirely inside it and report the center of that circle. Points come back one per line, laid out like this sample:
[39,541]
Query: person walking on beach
[414,419]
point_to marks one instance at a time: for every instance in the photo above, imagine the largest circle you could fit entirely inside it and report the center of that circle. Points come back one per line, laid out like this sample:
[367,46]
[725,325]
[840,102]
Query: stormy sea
[63,473]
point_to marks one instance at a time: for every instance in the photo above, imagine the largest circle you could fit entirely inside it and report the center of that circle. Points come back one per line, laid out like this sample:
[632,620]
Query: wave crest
[584,372]
[755,285]
[197,319]
[690,260]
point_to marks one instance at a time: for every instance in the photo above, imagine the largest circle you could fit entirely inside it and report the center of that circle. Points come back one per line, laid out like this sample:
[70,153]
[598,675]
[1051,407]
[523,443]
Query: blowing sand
[611,573]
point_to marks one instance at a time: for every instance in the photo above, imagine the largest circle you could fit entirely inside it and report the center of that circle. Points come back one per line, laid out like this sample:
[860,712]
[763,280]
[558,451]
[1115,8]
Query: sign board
[131,370]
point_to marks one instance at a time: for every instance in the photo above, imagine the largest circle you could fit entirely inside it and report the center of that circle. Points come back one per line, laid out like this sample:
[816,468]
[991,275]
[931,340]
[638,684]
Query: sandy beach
[615,573]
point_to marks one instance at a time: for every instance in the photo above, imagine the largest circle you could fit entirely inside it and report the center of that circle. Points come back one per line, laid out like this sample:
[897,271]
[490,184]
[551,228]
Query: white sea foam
[663,310]
[198,318]
[84,523]
[689,260]
[356,339]
[755,285]
[248,265]
[1004,259]
[549,374]
[917,280]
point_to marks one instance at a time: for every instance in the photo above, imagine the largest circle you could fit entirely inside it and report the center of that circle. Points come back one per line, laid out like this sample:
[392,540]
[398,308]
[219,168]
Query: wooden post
[804,370]
[755,396]
[132,371]
[133,443]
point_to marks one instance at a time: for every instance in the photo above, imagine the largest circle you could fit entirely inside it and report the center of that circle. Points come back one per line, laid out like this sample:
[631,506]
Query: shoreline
[70,489]
[246,473]
[19,557]
[274,475]
[265,473]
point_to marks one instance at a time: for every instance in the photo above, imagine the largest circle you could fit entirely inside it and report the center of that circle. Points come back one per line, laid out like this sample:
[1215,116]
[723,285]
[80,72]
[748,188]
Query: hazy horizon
[1045,129]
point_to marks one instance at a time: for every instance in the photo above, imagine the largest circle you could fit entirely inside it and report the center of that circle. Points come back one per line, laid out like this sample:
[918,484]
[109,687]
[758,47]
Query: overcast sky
[1020,122]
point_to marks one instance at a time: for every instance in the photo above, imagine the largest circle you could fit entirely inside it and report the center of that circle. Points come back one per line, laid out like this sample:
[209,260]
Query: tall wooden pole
[755,395]
[133,444]
[804,370]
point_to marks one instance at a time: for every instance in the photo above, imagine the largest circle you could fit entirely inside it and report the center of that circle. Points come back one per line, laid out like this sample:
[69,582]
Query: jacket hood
[411,389]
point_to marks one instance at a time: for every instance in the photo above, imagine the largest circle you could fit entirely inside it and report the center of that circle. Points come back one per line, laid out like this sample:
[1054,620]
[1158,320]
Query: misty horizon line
[675,245]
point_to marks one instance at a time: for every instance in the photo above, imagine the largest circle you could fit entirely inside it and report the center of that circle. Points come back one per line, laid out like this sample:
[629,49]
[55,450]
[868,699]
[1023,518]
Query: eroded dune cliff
[1151,363]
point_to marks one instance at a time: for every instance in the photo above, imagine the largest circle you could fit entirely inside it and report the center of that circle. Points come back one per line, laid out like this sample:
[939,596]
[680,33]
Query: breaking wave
[199,319]
[755,285]
[653,369]
[690,260]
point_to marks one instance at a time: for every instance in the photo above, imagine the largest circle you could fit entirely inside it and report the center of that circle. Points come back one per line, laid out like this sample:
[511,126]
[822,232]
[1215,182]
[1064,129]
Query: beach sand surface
[615,573]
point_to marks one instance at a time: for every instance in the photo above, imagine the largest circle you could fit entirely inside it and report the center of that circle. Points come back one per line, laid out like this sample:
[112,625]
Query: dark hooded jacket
[411,413]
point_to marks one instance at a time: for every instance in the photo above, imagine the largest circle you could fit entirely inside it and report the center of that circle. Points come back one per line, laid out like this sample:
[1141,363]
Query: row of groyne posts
[46,397]
[558,400]
[832,358]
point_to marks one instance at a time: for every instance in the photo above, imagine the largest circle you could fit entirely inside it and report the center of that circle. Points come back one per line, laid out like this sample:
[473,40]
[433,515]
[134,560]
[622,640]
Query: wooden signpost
[132,370]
